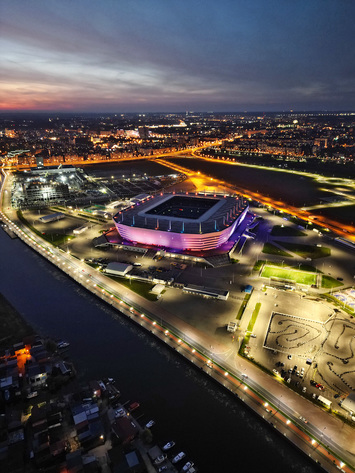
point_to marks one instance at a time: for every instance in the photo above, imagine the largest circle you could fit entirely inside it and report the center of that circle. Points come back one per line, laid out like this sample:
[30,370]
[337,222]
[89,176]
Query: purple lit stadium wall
[179,241]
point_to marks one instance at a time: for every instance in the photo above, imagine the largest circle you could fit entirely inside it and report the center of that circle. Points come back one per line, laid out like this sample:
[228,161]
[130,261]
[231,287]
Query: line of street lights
[171,336]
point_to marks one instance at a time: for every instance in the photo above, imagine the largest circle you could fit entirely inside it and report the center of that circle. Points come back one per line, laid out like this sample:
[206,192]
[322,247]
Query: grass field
[271,249]
[306,251]
[254,317]
[300,277]
[279,230]
[250,328]
[258,265]
[56,239]
[140,287]
[243,306]
[329,282]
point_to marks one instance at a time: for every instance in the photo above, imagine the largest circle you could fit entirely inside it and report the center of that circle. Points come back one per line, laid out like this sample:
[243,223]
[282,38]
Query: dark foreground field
[13,327]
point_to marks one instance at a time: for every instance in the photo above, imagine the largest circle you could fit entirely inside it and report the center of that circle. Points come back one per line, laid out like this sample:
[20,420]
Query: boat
[150,424]
[187,466]
[32,394]
[120,412]
[168,445]
[160,459]
[133,406]
[62,344]
[178,457]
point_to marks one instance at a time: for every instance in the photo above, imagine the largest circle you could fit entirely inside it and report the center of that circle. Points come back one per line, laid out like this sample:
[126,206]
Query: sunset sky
[167,55]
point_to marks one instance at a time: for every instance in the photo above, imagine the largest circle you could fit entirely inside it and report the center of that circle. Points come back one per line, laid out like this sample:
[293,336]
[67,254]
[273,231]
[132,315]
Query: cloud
[231,54]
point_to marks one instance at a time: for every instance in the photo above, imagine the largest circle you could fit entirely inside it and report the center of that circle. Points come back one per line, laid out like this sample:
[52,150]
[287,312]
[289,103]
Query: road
[341,229]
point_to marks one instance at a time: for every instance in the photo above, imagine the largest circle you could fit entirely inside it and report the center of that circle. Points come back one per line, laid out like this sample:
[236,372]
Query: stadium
[190,222]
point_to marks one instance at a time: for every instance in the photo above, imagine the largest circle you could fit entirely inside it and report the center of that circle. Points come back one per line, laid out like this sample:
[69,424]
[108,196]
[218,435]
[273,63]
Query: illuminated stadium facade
[190,222]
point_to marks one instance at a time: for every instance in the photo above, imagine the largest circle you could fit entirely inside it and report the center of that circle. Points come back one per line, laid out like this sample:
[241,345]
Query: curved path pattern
[331,345]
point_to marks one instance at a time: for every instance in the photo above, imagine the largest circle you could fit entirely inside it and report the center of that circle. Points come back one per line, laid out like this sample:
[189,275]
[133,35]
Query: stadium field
[300,277]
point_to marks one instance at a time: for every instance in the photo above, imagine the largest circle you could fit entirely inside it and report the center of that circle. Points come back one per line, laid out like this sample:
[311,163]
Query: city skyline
[158,57]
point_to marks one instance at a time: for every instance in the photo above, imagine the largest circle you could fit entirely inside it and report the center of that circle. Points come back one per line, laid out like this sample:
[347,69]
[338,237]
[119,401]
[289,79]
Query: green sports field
[300,277]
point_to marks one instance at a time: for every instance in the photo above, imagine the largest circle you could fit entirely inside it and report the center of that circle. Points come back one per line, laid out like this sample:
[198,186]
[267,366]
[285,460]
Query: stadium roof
[154,213]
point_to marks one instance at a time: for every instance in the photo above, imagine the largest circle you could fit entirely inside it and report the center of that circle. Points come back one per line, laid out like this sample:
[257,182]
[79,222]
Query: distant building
[79,230]
[118,269]
[124,429]
[349,403]
[52,217]
[143,132]
[39,161]
[87,422]
[206,292]
[45,192]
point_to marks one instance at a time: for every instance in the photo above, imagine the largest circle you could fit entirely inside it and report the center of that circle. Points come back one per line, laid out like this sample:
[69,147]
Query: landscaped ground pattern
[330,345]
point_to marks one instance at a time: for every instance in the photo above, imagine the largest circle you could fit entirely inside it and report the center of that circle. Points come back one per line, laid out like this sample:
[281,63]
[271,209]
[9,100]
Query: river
[218,433]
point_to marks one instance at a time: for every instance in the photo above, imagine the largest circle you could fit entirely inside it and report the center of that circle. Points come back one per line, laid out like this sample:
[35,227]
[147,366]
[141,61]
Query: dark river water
[217,432]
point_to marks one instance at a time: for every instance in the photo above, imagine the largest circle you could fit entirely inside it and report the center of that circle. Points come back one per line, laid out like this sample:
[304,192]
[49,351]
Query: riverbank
[211,424]
[175,336]
[13,326]
[131,305]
